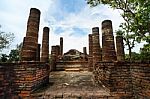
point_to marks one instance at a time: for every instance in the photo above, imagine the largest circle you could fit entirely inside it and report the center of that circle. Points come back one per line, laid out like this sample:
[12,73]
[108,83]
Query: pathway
[71,85]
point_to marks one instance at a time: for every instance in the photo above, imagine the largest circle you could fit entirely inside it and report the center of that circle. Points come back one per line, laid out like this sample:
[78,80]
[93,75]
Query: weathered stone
[30,43]
[45,45]
[58,51]
[84,51]
[90,57]
[61,46]
[120,48]
[84,54]
[18,81]
[33,23]
[38,53]
[108,46]
[96,46]
[53,58]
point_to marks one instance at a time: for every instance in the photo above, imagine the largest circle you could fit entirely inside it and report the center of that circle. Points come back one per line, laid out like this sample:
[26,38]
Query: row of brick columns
[107,52]
[31,49]
[56,53]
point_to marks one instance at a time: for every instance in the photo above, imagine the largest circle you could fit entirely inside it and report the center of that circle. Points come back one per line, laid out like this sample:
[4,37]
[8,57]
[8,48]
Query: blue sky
[70,19]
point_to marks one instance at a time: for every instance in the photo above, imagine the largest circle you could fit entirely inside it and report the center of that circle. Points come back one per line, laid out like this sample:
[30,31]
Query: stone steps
[71,66]
[73,96]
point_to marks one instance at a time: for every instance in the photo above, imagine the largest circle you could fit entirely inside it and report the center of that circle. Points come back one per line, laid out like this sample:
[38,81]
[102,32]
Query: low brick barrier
[22,78]
[124,79]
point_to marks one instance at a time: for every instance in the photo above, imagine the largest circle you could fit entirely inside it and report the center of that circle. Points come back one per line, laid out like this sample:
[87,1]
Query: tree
[3,58]
[5,39]
[136,26]
[14,54]
[145,52]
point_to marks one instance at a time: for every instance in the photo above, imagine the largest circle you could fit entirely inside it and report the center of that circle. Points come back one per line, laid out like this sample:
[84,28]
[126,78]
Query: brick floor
[71,85]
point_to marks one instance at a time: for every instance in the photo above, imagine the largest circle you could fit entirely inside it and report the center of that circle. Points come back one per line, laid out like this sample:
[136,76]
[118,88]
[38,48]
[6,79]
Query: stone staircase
[72,85]
[71,66]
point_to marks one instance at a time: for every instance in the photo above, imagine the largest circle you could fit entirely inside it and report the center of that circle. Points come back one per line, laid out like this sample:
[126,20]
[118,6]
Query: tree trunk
[130,54]
[129,47]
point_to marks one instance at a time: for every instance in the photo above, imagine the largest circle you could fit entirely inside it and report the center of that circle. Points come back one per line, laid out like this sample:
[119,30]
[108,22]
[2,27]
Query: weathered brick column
[84,54]
[30,43]
[96,46]
[57,51]
[120,48]
[38,53]
[61,46]
[84,51]
[108,46]
[45,45]
[53,58]
[90,57]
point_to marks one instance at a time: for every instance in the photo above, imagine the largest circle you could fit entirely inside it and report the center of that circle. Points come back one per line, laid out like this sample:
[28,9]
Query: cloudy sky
[70,19]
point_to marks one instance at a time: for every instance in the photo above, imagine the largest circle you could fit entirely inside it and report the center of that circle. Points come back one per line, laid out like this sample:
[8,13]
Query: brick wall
[141,79]
[125,79]
[6,79]
[22,78]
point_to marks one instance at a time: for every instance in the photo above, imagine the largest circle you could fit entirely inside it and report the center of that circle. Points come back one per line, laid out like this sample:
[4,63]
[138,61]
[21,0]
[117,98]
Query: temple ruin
[102,73]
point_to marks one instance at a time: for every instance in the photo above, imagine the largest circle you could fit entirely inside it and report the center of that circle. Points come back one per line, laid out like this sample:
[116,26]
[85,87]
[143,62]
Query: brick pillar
[30,42]
[84,51]
[108,46]
[96,45]
[38,53]
[61,46]
[90,57]
[57,51]
[53,58]
[84,54]
[120,48]
[45,45]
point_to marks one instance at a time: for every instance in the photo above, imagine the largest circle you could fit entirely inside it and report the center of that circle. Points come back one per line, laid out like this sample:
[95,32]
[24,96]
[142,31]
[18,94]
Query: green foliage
[145,52]
[135,56]
[5,39]
[14,54]
[3,58]
[136,26]
[135,14]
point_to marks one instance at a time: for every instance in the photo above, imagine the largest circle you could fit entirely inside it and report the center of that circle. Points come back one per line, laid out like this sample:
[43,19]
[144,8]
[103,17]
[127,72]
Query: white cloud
[14,16]
[85,19]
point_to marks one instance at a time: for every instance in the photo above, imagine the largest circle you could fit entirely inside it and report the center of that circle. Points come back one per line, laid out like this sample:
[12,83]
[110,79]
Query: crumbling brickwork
[84,54]
[22,78]
[45,45]
[38,52]
[125,79]
[120,48]
[96,45]
[30,42]
[53,58]
[108,46]
[61,46]
[90,57]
